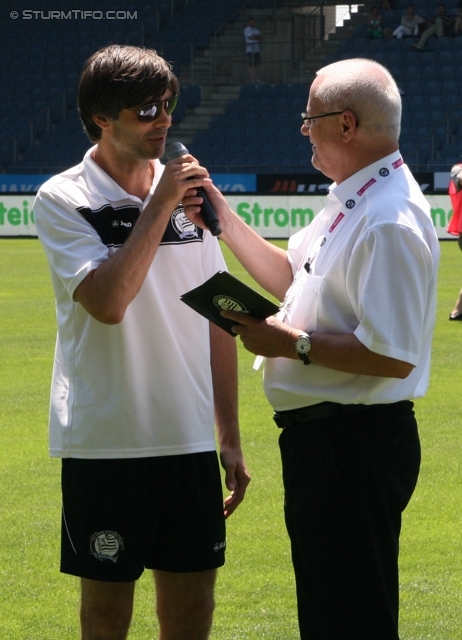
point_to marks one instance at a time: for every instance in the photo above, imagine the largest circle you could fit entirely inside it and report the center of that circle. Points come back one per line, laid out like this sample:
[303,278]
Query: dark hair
[119,77]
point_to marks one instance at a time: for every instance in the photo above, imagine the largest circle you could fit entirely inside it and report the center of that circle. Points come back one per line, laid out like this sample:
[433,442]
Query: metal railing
[430,149]
[31,133]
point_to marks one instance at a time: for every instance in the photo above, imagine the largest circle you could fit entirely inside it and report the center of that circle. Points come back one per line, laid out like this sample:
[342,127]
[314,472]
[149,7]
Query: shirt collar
[356,185]
[108,187]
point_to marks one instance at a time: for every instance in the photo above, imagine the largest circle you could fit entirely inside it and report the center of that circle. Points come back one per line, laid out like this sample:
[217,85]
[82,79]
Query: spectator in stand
[385,6]
[409,24]
[458,20]
[252,49]
[374,24]
[438,26]
[455,224]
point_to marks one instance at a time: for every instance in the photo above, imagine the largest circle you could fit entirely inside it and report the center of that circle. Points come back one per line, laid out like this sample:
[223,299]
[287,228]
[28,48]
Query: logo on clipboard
[225,303]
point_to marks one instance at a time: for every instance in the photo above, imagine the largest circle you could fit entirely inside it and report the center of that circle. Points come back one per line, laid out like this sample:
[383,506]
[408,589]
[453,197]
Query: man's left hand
[237,478]
[270,338]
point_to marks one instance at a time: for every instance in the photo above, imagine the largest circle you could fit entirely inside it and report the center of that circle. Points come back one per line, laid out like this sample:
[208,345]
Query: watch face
[303,344]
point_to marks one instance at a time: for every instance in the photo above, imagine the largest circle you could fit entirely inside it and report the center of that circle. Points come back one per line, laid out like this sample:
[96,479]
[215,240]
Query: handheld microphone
[208,215]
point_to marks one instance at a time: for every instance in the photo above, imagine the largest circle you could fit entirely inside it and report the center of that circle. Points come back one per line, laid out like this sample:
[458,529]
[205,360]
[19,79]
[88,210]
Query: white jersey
[367,265]
[142,387]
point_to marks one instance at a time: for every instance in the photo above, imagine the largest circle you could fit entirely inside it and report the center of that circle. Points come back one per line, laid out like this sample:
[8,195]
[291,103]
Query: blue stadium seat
[452,87]
[378,44]
[248,92]
[434,103]
[433,88]
[420,119]
[415,72]
[406,135]
[379,56]
[413,57]
[264,91]
[452,103]
[416,87]
[398,73]
[298,90]
[423,132]
[431,72]
[265,104]
[444,43]
[446,72]
[441,135]
[445,58]
[438,116]
[419,105]
[451,149]
[395,44]
[192,96]
[395,59]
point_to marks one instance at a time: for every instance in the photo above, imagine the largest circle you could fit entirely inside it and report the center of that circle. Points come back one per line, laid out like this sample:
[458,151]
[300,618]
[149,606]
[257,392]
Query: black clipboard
[225,292]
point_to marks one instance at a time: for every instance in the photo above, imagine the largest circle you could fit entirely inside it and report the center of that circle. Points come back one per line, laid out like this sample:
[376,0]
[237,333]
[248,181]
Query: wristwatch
[303,346]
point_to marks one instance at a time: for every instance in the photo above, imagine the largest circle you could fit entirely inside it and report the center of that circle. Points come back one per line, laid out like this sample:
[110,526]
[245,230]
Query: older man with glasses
[348,352]
[138,379]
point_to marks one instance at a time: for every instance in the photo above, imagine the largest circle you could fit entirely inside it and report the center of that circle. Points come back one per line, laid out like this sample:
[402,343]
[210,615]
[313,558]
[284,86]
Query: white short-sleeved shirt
[251,46]
[142,387]
[372,255]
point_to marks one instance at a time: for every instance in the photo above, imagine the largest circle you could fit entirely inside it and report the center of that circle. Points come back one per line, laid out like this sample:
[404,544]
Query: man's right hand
[179,175]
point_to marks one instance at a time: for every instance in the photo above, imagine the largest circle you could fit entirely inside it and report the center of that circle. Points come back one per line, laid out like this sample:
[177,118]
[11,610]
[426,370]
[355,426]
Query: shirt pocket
[303,303]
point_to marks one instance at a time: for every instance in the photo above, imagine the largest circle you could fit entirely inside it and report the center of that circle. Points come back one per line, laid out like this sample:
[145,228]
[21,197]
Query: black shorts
[122,516]
[253,58]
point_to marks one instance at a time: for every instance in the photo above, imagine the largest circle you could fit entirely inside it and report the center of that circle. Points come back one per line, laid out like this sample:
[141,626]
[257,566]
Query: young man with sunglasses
[138,379]
[348,352]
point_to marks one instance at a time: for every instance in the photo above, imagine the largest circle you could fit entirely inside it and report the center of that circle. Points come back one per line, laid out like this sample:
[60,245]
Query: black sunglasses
[150,112]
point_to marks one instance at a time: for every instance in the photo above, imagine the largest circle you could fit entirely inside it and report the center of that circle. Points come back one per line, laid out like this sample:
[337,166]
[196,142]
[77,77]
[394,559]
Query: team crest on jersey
[384,172]
[182,225]
[225,303]
[350,204]
[106,545]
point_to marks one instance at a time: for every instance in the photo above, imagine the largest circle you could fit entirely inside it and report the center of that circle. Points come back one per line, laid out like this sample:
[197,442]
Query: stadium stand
[259,129]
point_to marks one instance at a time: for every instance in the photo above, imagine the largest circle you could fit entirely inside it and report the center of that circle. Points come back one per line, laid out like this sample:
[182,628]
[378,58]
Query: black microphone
[208,215]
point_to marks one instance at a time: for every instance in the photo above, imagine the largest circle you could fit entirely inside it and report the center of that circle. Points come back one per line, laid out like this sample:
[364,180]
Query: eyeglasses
[150,112]
[307,119]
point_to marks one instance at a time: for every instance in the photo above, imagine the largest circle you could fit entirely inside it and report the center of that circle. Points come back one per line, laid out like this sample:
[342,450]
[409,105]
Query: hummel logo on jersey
[117,223]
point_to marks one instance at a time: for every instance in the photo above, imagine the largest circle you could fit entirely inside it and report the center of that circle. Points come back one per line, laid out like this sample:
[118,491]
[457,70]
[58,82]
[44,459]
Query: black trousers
[347,480]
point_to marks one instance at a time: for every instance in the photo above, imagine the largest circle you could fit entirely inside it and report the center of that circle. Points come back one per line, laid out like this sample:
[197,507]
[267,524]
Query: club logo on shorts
[350,204]
[384,172]
[218,546]
[106,545]
[225,303]
[182,225]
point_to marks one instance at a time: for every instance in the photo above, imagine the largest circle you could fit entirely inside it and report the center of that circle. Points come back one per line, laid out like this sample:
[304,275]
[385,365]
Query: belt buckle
[281,421]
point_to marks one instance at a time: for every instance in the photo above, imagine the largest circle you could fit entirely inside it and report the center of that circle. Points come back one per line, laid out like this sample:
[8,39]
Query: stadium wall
[271,216]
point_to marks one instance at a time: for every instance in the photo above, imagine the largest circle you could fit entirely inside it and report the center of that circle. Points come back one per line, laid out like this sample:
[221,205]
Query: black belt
[294,417]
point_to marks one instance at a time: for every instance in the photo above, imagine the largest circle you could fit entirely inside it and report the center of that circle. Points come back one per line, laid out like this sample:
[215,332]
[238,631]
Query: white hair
[367,89]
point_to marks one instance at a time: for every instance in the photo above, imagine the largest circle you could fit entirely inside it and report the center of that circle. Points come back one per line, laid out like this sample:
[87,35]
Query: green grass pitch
[255,590]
